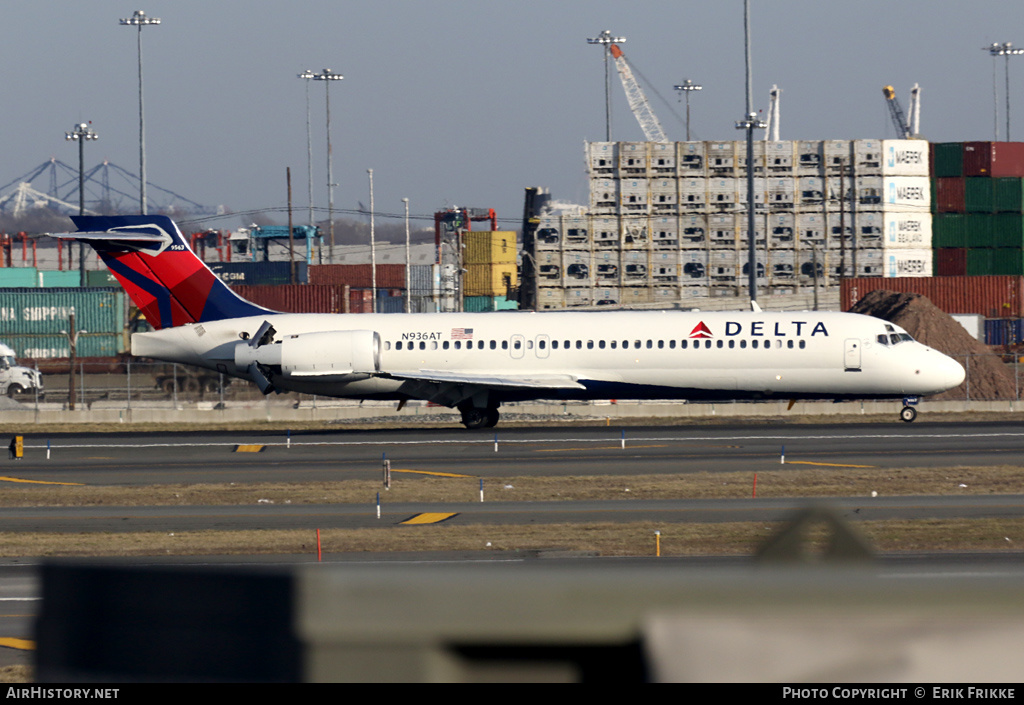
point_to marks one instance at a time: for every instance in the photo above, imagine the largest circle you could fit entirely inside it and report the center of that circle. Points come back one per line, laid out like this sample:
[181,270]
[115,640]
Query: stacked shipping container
[669,220]
[32,321]
[978,208]
[490,273]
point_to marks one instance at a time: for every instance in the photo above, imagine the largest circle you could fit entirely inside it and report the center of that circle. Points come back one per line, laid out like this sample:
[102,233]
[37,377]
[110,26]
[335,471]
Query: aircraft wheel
[492,417]
[473,418]
[908,414]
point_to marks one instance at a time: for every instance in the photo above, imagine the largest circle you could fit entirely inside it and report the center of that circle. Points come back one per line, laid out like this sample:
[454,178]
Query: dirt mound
[988,377]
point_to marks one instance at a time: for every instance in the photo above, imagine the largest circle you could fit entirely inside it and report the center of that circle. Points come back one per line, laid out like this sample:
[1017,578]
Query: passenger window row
[542,344]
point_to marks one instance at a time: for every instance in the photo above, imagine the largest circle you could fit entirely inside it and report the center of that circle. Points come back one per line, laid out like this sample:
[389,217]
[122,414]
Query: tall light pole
[750,123]
[81,134]
[140,20]
[408,294]
[373,246]
[327,76]
[1005,49]
[606,39]
[308,75]
[686,88]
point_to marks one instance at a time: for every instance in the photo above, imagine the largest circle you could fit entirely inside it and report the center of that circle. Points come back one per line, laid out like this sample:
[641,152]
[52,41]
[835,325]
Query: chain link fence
[990,377]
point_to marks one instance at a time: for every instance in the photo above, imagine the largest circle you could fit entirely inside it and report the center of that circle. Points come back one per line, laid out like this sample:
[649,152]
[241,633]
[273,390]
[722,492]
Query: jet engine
[327,354]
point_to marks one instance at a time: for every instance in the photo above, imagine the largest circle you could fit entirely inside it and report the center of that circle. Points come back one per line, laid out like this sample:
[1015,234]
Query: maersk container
[32,311]
[906,263]
[905,158]
[990,296]
[260,273]
[45,347]
[909,230]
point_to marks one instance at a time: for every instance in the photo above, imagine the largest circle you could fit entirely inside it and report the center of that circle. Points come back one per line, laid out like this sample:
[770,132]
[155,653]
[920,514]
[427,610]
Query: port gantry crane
[905,129]
[637,100]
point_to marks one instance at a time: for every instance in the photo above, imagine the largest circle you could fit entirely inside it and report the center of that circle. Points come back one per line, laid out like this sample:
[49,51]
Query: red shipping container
[360,301]
[950,262]
[297,298]
[992,297]
[994,159]
[389,276]
[949,197]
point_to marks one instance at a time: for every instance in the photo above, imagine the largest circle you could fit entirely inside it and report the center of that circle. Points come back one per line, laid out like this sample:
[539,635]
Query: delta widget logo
[701,331]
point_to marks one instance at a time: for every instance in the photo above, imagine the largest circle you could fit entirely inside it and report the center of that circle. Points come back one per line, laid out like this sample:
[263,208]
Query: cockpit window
[894,338]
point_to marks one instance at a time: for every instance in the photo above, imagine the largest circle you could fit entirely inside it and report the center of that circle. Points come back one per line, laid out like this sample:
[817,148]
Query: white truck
[15,379]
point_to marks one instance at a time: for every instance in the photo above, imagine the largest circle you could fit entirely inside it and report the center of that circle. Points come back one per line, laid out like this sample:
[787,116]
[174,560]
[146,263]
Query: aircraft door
[517,346]
[543,345]
[851,355]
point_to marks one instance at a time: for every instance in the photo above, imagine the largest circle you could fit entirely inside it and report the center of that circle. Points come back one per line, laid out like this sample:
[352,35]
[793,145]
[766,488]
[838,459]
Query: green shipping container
[46,311]
[979,261]
[1006,230]
[25,277]
[56,278]
[949,230]
[978,195]
[101,277]
[1008,195]
[479,304]
[948,158]
[45,347]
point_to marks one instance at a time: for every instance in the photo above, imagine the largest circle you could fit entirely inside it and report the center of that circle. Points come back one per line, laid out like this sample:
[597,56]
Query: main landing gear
[474,417]
[908,413]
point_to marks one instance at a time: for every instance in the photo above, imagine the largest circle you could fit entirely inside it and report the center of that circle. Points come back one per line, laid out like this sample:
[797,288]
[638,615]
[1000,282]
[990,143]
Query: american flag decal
[462,333]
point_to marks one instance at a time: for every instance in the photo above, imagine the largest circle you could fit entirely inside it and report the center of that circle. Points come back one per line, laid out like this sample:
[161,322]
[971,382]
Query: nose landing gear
[908,413]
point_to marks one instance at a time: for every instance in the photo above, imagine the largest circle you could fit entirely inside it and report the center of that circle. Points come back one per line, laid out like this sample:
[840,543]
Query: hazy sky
[453,102]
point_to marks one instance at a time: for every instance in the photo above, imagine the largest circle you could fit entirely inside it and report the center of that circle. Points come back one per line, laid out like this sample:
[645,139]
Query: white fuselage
[584,355]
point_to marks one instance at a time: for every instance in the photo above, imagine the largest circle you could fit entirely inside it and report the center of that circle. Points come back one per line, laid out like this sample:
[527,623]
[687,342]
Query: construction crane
[905,129]
[637,100]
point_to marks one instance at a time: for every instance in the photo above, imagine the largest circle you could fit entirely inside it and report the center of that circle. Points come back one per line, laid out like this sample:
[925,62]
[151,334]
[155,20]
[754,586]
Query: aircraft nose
[945,373]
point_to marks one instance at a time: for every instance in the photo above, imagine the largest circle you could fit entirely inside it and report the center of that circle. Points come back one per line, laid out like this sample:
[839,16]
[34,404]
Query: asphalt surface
[134,459]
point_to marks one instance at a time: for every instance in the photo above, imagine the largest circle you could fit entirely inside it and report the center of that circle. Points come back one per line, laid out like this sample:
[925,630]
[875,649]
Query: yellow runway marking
[830,465]
[37,482]
[249,449]
[428,518]
[429,472]
[23,644]
[618,447]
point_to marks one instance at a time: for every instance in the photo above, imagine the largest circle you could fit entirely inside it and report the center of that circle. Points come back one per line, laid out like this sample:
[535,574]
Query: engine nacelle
[315,354]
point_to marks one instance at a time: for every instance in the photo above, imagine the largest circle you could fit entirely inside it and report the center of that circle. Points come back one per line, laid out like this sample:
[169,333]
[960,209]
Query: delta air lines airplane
[476,361]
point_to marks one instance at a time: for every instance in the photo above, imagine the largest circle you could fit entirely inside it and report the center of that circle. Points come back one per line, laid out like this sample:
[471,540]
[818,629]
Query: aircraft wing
[449,387]
[539,381]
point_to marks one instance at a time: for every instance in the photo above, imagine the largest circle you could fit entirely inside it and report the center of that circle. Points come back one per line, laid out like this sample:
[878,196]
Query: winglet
[754,307]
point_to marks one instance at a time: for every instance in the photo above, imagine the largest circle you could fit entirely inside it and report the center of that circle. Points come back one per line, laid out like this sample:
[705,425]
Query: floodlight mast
[686,88]
[140,20]
[606,39]
[1005,49]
